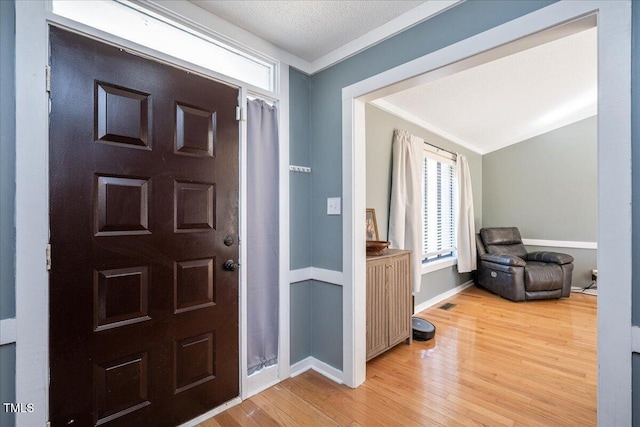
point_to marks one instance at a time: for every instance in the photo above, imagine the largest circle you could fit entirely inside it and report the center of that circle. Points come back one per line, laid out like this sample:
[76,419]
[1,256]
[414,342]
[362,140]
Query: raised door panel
[399,297]
[377,332]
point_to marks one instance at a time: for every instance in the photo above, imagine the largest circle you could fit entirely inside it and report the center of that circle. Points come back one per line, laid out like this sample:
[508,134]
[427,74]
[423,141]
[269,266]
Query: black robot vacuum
[423,330]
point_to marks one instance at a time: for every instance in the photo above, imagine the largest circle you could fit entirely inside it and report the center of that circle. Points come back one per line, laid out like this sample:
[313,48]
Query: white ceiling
[308,29]
[508,100]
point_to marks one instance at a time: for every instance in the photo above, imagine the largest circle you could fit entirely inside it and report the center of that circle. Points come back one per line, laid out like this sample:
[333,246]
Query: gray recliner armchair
[505,267]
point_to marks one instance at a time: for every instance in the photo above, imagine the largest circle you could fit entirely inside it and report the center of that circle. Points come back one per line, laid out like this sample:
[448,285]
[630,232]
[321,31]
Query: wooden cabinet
[389,302]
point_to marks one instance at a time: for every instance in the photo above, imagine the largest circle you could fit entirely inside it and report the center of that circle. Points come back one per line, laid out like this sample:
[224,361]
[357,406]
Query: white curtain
[262,236]
[466,229]
[405,210]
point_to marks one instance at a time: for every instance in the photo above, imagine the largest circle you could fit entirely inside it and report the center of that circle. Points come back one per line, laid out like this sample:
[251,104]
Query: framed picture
[372,225]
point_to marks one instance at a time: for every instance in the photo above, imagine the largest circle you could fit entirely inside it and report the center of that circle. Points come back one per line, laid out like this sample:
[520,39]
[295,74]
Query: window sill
[431,266]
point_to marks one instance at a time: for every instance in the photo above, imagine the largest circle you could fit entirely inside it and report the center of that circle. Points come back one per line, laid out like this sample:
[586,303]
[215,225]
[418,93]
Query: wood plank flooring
[492,363]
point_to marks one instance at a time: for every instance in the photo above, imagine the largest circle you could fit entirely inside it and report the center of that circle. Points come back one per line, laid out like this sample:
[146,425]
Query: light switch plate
[333,206]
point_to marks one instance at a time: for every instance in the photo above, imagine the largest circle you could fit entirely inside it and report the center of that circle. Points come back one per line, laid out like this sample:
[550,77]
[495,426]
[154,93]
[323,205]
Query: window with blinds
[438,195]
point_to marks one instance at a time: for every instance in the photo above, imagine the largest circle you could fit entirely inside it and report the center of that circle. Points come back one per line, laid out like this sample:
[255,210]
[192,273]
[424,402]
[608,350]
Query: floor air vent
[447,306]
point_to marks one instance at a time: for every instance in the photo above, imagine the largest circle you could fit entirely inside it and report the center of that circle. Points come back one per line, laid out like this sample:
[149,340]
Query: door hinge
[48,72]
[240,115]
[48,254]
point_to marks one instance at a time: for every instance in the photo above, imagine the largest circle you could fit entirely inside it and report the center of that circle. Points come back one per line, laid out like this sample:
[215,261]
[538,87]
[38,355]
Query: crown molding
[202,20]
[397,25]
[403,114]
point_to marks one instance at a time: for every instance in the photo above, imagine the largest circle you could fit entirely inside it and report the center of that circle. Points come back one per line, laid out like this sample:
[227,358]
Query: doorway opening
[614,174]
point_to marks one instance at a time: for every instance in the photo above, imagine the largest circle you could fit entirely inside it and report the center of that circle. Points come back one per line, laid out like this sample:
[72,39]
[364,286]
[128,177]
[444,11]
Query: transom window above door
[144,27]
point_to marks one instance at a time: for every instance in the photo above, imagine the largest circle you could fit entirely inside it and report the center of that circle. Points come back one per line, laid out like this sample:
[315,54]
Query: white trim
[614,214]
[284,319]
[242,248]
[329,276]
[353,240]
[262,380]
[635,339]
[320,274]
[614,178]
[438,264]
[212,413]
[407,20]
[560,244]
[319,366]
[443,296]
[7,331]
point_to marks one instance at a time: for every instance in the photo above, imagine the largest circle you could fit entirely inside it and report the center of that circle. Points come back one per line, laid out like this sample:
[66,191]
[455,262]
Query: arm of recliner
[510,260]
[550,257]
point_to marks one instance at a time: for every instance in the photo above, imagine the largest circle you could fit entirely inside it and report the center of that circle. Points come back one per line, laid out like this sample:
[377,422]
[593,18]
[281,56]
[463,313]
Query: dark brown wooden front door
[143,192]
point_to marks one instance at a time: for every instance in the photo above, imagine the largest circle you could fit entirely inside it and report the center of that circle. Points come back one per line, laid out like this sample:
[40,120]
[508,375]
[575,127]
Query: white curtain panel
[466,229]
[262,236]
[405,210]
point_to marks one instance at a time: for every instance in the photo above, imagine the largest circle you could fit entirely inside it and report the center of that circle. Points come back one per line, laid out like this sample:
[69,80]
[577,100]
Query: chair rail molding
[319,274]
[560,244]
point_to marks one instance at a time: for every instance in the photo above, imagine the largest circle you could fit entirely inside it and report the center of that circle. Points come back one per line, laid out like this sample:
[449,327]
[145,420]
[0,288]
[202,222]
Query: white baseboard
[194,422]
[320,367]
[261,381]
[443,296]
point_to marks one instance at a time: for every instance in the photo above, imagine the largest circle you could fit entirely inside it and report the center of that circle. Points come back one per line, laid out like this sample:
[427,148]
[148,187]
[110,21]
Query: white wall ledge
[320,274]
[560,244]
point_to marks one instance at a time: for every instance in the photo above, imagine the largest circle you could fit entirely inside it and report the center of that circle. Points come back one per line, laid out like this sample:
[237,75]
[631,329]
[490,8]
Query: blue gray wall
[325,116]
[316,307]
[7,198]
[316,322]
[458,23]
[635,161]
[547,187]
[299,183]
[379,135]
[301,317]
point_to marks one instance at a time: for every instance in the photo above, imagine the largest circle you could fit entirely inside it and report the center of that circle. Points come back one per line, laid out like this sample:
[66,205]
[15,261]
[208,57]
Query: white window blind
[438,197]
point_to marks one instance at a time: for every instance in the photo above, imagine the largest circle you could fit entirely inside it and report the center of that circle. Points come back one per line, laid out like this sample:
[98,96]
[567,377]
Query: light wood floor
[492,363]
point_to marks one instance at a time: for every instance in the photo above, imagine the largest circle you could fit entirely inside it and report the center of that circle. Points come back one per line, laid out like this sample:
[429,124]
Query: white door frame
[614,184]
[32,203]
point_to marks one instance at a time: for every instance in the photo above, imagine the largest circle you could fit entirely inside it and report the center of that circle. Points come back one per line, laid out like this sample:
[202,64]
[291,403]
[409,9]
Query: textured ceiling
[510,99]
[484,108]
[308,29]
